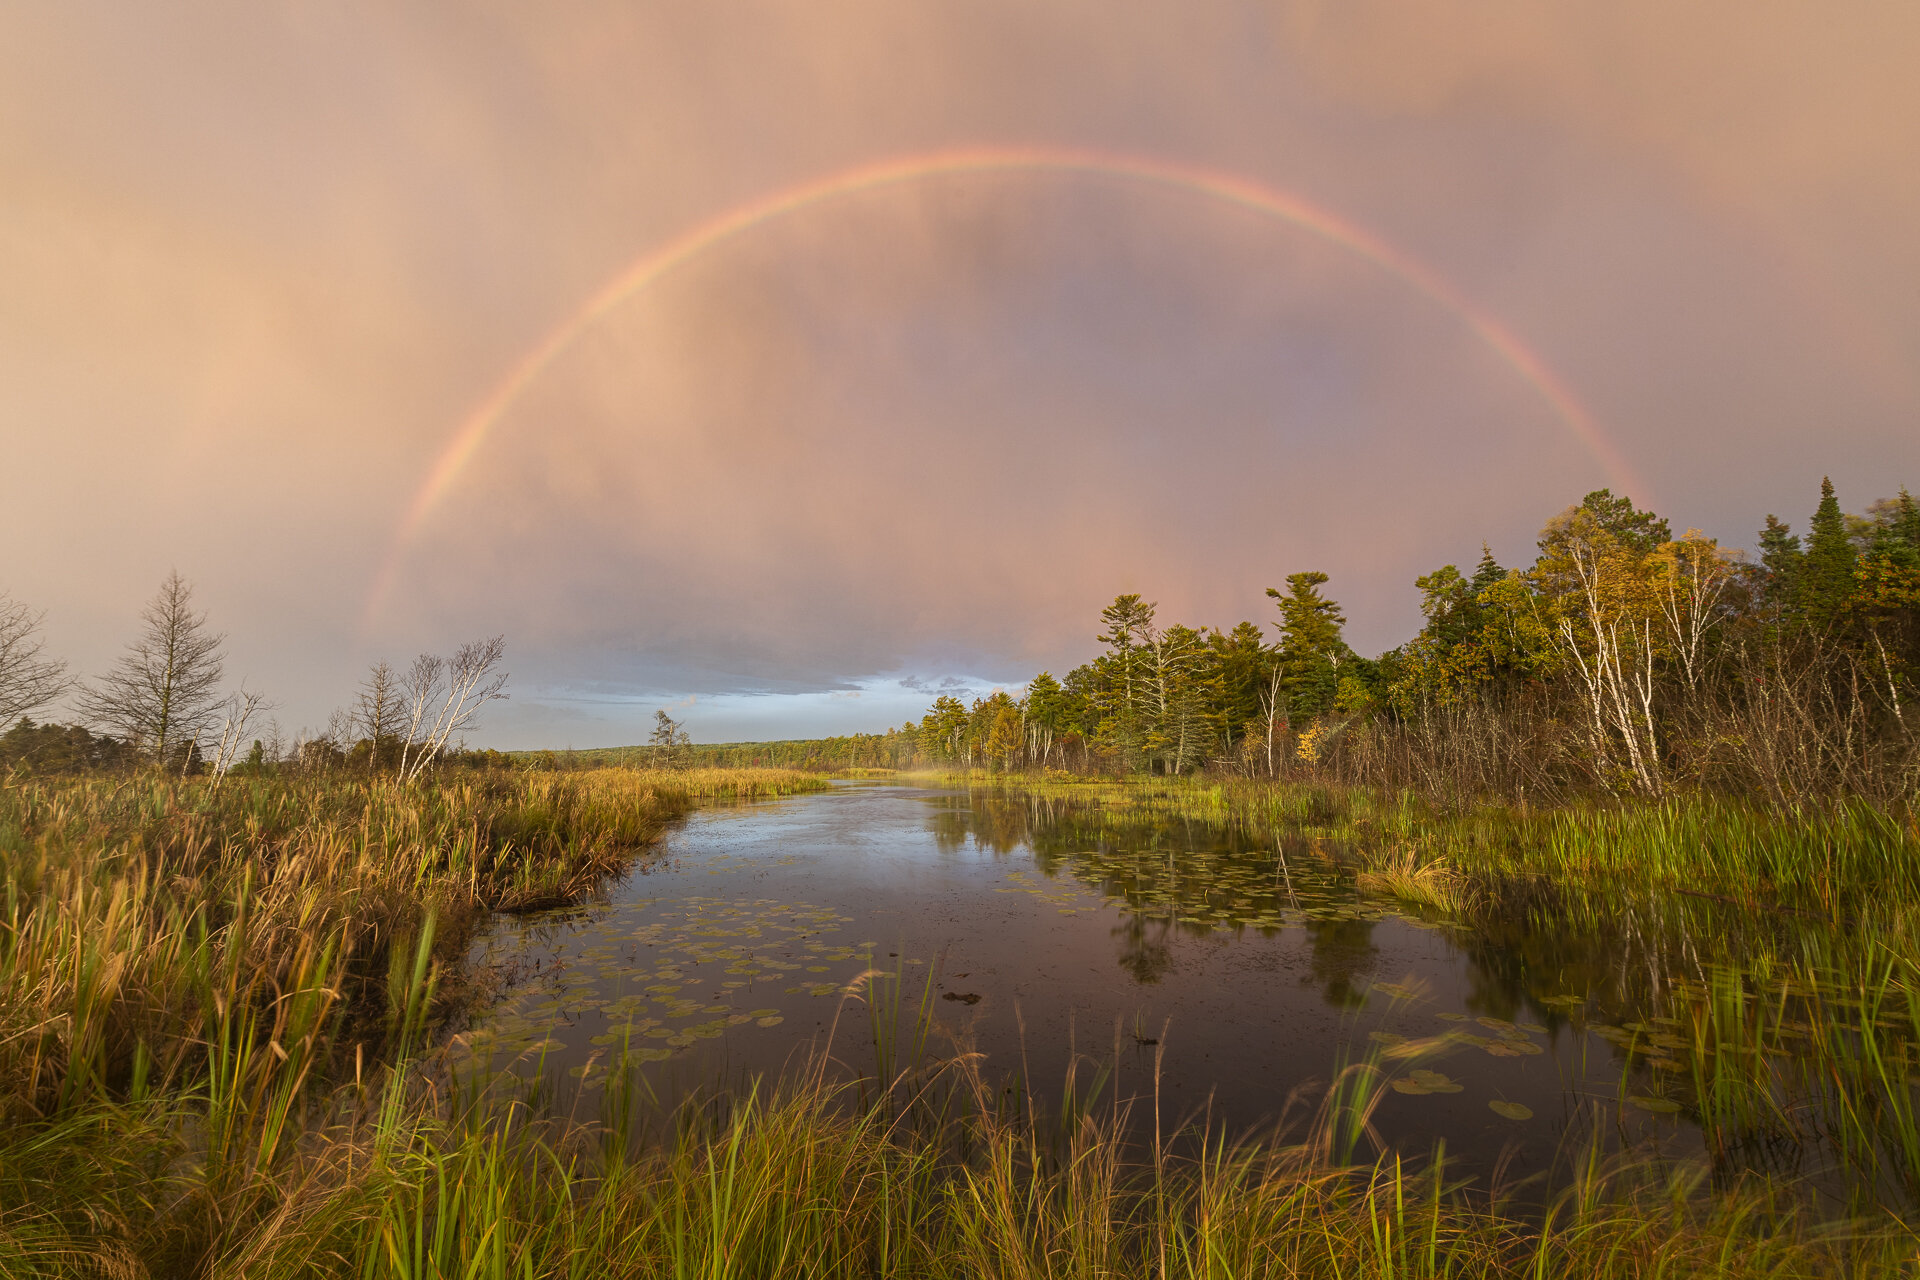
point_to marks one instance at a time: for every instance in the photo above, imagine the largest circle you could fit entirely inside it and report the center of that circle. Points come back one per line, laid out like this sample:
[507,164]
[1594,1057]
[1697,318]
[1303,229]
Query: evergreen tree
[1780,557]
[1637,530]
[1826,577]
[1311,648]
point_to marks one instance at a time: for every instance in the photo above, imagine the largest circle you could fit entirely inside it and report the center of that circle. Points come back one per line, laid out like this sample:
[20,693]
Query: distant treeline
[164,705]
[853,751]
[1623,660]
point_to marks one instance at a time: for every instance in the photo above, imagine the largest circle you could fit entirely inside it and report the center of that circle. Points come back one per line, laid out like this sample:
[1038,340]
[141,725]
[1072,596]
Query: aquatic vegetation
[1406,877]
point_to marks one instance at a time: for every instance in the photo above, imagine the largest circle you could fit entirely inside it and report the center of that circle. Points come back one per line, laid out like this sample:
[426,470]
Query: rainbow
[1226,187]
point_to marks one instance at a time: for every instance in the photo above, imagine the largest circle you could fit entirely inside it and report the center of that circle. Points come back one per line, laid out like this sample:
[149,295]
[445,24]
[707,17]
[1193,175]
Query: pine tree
[1311,648]
[1826,578]
[1638,530]
[1780,556]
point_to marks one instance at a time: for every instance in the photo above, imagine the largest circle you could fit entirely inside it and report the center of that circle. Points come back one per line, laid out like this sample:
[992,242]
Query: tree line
[1624,660]
[164,704]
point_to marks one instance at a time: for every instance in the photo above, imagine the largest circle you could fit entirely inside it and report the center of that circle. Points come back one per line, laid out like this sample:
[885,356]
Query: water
[1041,935]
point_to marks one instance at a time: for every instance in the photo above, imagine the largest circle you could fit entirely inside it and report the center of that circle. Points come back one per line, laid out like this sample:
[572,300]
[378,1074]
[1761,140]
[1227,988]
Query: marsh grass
[218,1013]
[1404,876]
[1835,861]
[923,1175]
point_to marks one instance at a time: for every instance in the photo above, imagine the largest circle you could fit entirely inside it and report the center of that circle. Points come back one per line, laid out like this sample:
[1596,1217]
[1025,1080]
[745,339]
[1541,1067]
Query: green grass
[218,1014]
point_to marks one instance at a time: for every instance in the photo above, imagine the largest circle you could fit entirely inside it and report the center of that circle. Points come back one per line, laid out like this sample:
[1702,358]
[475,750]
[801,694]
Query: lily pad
[1510,1110]
[1424,1081]
[1658,1106]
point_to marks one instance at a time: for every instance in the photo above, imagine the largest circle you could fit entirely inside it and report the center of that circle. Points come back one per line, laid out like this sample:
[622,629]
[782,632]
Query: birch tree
[444,696]
[238,713]
[1604,612]
[1691,577]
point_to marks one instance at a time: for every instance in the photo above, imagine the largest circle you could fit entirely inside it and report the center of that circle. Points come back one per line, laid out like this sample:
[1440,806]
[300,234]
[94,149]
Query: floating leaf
[1511,1110]
[1658,1106]
[772,1020]
[1451,1017]
[1534,1027]
[1386,1037]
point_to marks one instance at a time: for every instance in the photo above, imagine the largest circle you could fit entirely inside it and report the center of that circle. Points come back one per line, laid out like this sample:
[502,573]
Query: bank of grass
[143,918]
[1835,861]
[217,1014]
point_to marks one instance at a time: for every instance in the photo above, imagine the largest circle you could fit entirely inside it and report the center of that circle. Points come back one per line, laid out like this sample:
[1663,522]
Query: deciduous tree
[163,695]
[28,680]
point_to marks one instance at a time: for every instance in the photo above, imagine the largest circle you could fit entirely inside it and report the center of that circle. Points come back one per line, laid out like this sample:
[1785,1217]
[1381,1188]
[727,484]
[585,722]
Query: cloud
[255,267]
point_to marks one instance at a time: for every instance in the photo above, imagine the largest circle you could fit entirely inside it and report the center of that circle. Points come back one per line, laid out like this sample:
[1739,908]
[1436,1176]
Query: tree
[1242,664]
[1005,734]
[1048,713]
[444,696]
[27,680]
[237,714]
[1604,603]
[163,695]
[379,711]
[668,735]
[943,731]
[1826,577]
[1311,647]
[1780,557]
[1634,529]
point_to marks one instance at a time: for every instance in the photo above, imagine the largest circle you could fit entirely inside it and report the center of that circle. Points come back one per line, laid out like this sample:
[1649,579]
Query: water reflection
[1037,929]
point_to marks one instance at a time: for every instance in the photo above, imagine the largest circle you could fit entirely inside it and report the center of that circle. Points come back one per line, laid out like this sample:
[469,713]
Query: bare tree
[443,696]
[27,680]
[379,710]
[163,696]
[238,711]
[419,688]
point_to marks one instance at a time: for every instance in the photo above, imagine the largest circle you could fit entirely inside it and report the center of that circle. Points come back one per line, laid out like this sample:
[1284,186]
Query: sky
[390,326]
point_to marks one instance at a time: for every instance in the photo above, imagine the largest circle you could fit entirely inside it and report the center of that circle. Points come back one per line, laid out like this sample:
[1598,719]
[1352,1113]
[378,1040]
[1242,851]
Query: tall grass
[217,1014]
[147,922]
[794,1179]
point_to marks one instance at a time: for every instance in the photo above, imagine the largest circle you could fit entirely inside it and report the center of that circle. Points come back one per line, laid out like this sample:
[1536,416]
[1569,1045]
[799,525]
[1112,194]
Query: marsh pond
[1193,971]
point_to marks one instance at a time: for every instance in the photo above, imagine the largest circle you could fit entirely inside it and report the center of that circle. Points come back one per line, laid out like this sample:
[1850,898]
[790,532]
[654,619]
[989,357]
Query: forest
[1623,661]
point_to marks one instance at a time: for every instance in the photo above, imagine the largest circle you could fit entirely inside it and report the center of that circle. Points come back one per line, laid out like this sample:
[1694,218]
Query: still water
[1041,935]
